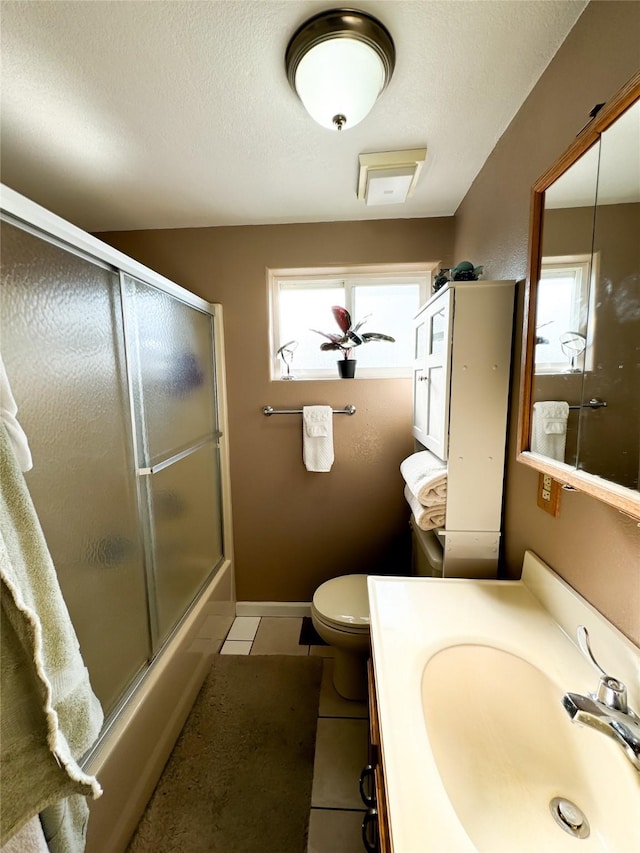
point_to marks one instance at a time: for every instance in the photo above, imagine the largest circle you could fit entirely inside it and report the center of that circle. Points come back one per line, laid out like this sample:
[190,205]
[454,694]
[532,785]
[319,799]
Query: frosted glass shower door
[173,387]
[61,336]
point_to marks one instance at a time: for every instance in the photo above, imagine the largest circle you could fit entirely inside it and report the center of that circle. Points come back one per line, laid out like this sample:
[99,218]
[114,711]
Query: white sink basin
[475,741]
[505,748]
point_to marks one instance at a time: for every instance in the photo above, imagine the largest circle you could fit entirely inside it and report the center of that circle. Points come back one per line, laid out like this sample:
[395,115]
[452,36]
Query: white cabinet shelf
[460,402]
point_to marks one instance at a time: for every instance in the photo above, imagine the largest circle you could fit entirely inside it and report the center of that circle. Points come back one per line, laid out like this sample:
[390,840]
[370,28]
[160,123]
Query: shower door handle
[160,466]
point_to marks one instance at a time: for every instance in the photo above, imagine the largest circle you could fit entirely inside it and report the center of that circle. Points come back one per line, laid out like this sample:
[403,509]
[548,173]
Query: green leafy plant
[350,336]
[465,271]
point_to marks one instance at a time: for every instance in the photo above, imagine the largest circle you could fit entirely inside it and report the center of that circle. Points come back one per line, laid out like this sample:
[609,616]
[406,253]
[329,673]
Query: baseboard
[273,608]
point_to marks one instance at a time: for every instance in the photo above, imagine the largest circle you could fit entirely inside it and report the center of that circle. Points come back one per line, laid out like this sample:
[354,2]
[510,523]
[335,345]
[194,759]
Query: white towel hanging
[549,428]
[8,412]
[317,438]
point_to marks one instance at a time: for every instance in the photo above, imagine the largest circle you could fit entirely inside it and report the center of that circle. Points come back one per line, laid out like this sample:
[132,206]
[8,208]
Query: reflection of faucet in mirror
[573,344]
[286,353]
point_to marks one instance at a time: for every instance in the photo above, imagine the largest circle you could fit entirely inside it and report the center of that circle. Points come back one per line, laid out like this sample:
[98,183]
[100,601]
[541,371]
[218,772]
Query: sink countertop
[534,618]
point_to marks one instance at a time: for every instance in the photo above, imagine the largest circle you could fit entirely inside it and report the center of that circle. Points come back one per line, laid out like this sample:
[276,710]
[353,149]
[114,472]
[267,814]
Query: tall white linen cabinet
[461,378]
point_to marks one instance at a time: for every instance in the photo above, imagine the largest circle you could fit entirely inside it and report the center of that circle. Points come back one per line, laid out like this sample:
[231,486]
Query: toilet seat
[342,603]
[340,627]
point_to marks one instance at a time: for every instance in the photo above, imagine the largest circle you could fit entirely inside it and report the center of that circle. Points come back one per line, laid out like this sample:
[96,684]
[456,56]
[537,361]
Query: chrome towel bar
[594,403]
[269,410]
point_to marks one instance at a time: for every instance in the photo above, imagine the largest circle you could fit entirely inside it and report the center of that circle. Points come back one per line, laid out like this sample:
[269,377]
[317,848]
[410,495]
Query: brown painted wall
[594,547]
[294,529]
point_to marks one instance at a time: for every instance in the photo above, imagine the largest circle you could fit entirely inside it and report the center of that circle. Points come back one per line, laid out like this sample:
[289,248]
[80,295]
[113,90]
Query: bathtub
[134,750]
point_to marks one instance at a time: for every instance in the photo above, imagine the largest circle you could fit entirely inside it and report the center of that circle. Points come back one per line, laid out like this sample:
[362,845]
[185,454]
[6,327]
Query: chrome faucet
[606,709]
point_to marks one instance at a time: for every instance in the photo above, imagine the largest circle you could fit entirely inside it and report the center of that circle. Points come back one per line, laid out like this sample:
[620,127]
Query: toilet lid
[344,600]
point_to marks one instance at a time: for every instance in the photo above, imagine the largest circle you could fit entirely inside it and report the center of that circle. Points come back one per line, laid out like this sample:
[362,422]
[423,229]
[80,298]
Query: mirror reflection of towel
[549,428]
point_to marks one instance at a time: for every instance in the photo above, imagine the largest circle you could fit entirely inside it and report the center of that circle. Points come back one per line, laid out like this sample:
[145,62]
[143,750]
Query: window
[388,297]
[564,315]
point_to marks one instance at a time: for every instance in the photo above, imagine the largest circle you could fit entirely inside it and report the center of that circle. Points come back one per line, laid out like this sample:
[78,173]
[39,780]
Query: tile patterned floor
[341,740]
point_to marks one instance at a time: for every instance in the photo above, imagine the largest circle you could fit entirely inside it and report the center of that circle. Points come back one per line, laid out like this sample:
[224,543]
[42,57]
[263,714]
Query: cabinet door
[419,383]
[431,382]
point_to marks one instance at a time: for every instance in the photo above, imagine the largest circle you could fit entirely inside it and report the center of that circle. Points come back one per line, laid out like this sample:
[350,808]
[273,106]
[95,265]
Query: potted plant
[349,338]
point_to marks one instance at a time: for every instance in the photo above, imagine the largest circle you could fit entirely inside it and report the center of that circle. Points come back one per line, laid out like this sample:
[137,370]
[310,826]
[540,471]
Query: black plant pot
[347,368]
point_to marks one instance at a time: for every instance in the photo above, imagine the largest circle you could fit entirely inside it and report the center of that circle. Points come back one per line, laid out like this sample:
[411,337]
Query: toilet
[340,615]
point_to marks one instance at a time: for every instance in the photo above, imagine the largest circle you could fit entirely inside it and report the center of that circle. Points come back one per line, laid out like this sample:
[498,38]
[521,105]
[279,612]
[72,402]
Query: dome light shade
[338,63]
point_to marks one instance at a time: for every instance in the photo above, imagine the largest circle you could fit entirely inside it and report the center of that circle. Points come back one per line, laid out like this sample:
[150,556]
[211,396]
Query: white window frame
[589,265]
[347,277]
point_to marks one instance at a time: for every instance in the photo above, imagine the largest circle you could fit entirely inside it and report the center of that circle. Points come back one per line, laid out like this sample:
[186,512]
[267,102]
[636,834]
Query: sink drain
[568,816]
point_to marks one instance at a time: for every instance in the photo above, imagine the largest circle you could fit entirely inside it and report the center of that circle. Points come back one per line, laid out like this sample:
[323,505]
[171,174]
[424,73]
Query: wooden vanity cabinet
[378,835]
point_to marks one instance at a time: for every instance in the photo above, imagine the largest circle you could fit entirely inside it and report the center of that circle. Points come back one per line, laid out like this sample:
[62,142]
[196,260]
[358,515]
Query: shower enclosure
[118,378]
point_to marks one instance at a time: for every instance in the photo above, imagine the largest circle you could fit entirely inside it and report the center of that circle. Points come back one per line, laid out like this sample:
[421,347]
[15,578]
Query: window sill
[555,372]
[360,374]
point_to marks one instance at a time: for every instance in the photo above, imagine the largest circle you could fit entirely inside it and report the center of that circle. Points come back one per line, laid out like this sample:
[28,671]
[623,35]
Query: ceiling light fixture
[338,63]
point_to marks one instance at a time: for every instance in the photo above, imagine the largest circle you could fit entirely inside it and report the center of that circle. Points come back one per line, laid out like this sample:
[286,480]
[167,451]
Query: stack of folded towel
[426,488]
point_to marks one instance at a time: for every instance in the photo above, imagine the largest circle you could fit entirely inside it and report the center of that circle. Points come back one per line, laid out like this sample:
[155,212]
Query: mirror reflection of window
[565,304]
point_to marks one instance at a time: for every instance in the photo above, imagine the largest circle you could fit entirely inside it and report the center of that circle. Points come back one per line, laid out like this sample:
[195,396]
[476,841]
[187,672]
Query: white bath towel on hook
[317,438]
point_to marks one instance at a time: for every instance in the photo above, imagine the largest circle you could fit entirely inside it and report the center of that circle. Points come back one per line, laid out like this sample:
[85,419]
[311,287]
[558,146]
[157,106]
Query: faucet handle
[611,692]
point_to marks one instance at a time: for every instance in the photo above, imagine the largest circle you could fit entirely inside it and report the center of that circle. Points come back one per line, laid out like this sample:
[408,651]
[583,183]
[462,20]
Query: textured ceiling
[127,115]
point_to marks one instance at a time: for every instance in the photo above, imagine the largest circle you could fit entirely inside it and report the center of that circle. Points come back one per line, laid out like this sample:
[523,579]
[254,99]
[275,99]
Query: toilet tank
[426,553]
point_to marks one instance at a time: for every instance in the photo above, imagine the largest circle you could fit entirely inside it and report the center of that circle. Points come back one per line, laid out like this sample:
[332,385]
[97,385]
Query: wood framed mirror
[579,416]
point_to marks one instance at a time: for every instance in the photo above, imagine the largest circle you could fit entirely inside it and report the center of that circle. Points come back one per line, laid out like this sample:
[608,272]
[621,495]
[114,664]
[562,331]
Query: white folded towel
[549,428]
[426,476]
[427,517]
[317,438]
[8,412]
